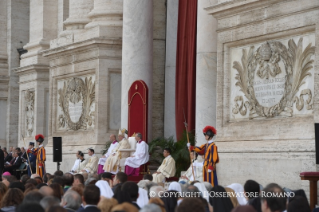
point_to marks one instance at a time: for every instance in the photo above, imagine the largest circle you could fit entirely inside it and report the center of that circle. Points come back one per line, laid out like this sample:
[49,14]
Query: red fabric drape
[186,66]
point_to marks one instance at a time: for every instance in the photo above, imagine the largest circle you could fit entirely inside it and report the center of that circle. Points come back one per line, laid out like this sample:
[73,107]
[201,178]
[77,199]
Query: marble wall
[265,149]
[115,100]
[3,117]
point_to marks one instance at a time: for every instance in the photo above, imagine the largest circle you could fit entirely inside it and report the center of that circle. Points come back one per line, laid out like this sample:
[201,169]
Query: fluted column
[206,69]
[107,16]
[137,52]
[78,14]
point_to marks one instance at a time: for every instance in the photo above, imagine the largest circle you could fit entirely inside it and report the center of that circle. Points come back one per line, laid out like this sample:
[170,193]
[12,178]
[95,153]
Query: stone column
[170,68]
[63,14]
[206,70]
[34,69]
[137,53]
[107,18]
[78,14]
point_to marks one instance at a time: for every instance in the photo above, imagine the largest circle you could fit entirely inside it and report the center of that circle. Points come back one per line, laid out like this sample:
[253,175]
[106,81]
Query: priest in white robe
[92,163]
[113,160]
[77,162]
[103,159]
[197,166]
[167,168]
[140,157]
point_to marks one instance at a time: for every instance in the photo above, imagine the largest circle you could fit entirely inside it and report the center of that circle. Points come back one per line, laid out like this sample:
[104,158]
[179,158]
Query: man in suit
[23,155]
[14,163]
[1,161]
[132,189]
[118,180]
[90,199]
[7,157]
[32,159]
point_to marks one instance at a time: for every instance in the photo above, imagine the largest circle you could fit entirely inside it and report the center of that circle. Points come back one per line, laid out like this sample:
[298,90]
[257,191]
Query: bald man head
[46,191]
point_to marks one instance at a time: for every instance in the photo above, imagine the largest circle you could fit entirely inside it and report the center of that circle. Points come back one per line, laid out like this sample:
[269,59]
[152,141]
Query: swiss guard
[32,159]
[209,150]
[40,155]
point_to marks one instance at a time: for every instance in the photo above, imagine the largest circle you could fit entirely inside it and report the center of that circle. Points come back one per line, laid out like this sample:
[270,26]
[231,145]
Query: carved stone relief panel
[29,112]
[273,78]
[115,100]
[76,103]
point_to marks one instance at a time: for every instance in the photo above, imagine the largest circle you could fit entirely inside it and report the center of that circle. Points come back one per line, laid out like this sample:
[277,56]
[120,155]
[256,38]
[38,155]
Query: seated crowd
[109,193]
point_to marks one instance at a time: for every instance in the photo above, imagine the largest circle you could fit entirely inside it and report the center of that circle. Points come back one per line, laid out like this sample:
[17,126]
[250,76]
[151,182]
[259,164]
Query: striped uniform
[210,153]
[40,154]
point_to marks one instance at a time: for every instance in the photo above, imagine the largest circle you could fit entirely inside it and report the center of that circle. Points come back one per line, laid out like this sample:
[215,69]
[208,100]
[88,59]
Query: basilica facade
[72,68]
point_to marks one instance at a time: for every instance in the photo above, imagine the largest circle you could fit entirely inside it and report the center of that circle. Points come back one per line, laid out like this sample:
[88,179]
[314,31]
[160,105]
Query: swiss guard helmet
[39,138]
[210,131]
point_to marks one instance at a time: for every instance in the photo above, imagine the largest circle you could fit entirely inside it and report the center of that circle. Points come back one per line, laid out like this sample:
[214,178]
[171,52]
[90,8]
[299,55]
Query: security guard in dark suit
[32,159]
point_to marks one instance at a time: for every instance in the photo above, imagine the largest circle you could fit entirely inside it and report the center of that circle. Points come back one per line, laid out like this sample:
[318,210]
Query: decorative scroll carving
[29,112]
[265,63]
[75,100]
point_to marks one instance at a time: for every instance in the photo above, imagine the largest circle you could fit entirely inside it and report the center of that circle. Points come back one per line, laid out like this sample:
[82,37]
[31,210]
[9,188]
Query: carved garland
[74,91]
[297,65]
[29,112]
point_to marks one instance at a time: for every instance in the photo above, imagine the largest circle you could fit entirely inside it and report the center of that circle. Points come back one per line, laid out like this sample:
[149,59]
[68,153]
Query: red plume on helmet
[210,128]
[39,136]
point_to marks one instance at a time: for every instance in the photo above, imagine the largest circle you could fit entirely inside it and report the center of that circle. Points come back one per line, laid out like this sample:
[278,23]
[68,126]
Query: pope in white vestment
[92,163]
[167,168]
[103,159]
[113,160]
[140,157]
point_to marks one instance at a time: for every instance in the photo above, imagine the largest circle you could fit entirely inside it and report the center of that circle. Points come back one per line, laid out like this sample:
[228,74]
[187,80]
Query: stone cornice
[30,69]
[237,6]
[110,43]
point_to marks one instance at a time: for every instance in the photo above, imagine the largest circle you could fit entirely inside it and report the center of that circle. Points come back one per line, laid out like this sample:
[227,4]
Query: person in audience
[91,198]
[7,179]
[27,207]
[1,161]
[118,180]
[142,198]
[58,173]
[7,157]
[105,189]
[244,208]
[24,155]
[14,163]
[91,166]
[157,191]
[132,189]
[113,160]
[124,207]
[252,191]
[39,180]
[3,190]
[32,159]
[46,191]
[140,157]
[68,181]
[122,196]
[78,189]
[33,176]
[175,186]
[114,144]
[194,170]
[170,200]
[220,203]
[46,178]
[71,201]
[57,190]
[78,179]
[191,204]
[159,202]
[49,201]
[11,200]
[18,185]
[148,177]
[33,196]
[167,168]
[24,179]
[239,190]
[18,150]
[274,202]
[56,209]
[232,197]
[11,148]
[299,204]
[151,208]
[58,180]
[32,181]
[106,205]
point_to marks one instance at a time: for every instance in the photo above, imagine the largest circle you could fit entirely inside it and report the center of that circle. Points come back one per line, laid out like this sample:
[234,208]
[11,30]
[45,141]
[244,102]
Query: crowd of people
[62,192]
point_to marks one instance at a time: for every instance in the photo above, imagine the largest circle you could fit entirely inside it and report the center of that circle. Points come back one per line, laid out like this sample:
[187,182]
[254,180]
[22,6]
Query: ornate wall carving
[274,78]
[76,103]
[29,112]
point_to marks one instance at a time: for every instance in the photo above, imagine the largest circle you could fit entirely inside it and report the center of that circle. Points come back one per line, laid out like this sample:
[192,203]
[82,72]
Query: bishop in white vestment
[197,166]
[140,157]
[167,168]
[103,159]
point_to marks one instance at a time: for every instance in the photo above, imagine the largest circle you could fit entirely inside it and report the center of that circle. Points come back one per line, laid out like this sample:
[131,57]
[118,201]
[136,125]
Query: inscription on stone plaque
[273,78]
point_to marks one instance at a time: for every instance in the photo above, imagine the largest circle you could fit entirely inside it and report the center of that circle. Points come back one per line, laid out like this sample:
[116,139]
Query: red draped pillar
[186,65]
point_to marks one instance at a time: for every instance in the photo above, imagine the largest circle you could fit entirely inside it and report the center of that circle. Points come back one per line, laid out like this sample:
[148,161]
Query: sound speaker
[57,149]
[317,142]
